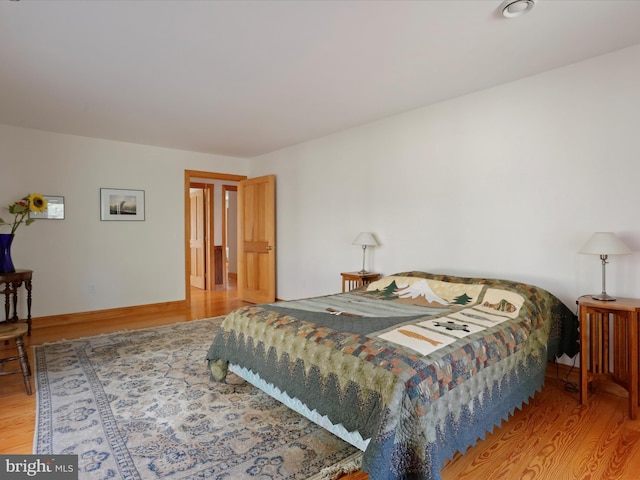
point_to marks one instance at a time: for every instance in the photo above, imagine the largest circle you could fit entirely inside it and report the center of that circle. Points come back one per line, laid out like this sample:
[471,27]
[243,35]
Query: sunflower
[37,203]
[20,210]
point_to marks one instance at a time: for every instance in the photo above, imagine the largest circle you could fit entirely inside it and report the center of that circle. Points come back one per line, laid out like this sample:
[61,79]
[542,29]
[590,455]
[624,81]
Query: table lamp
[365,239]
[604,244]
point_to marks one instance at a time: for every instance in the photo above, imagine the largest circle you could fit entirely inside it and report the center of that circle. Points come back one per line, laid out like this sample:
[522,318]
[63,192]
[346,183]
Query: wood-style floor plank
[555,438]
[17,409]
[551,438]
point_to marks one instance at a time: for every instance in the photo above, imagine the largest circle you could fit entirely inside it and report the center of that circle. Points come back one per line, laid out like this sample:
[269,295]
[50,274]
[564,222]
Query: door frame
[192,176]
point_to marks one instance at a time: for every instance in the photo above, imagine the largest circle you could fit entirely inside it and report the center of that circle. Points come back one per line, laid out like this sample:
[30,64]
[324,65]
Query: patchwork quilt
[422,364]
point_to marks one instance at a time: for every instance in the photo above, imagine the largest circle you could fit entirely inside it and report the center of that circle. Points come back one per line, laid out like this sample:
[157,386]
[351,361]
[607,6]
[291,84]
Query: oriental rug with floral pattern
[140,405]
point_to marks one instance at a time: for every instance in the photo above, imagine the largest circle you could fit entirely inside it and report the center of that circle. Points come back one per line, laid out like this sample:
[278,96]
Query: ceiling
[243,78]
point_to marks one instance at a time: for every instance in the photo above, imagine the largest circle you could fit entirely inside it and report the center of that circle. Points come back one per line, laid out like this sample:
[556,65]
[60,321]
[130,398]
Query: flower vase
[6,264]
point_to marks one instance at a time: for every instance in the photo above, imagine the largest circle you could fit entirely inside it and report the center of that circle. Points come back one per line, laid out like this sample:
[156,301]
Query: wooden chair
[15,331]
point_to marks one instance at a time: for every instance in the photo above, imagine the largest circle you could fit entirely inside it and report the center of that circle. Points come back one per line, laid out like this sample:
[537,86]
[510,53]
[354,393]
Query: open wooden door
[197,239]
[256,240]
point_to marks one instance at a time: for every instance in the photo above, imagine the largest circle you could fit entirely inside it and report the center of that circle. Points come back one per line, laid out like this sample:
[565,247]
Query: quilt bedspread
[422,364]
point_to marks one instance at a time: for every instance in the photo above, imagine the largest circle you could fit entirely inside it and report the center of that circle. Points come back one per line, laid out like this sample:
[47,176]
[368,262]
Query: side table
[605,325]
[351,280]
[10,283]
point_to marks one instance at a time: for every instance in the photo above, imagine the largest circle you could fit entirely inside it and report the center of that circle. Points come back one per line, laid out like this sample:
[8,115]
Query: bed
[410,369]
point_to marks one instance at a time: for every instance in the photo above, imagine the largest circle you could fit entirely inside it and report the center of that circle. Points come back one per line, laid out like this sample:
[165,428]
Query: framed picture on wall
[121,205]
[54,210]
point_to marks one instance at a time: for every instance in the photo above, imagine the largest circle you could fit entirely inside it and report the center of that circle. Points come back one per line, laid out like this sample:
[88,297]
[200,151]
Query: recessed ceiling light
[515,8]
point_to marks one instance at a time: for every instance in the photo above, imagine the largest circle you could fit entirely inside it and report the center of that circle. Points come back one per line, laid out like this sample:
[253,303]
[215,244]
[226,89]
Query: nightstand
[609,345]
[351,280]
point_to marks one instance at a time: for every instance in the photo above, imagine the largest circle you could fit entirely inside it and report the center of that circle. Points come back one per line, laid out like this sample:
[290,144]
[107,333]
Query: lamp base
[603,297]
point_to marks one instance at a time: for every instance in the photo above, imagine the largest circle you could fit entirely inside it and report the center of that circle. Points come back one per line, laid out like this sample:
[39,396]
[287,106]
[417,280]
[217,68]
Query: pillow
[420,291]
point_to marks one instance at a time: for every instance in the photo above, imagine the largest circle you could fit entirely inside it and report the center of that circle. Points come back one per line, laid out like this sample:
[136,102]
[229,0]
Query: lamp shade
[365,238]
[604,243]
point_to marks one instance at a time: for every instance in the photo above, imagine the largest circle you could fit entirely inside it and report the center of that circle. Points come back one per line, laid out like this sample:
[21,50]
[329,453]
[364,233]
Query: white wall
[81,263]
[232,228]
[507,182]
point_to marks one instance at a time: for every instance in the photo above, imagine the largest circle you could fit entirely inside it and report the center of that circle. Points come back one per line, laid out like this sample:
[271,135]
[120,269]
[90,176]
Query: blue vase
[6,264]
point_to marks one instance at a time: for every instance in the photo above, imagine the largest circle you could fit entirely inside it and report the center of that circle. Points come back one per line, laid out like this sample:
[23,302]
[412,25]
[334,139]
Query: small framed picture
[54,210]
[121,205]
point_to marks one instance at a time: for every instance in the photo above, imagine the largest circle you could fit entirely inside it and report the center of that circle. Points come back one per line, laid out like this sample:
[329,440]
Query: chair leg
[24,364]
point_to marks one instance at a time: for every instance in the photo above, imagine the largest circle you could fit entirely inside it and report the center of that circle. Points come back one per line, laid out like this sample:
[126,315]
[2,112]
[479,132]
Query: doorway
[215,252]
[230,233]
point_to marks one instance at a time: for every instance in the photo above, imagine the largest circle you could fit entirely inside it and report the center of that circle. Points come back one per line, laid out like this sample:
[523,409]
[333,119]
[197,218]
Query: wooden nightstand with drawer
[351,280]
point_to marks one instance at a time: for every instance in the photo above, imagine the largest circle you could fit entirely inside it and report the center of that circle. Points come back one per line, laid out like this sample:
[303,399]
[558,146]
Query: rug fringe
[345,467]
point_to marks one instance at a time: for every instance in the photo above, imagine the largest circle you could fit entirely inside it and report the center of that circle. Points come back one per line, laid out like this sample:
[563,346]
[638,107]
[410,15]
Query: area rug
[140,405]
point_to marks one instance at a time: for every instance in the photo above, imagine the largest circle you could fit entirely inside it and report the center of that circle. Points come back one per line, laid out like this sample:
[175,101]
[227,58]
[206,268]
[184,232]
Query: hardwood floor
[17,409]
[555,438]
[552,438]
